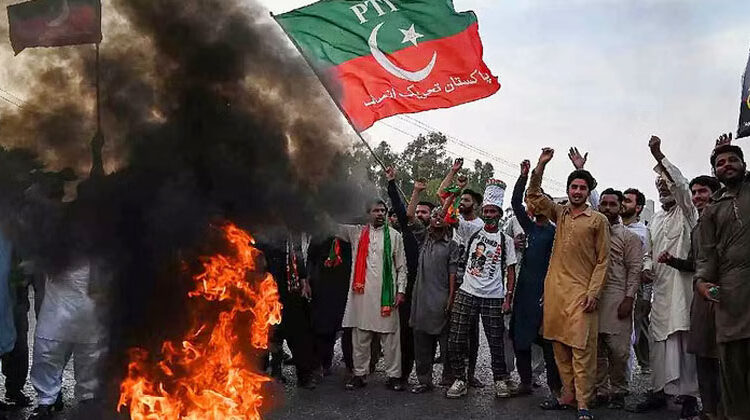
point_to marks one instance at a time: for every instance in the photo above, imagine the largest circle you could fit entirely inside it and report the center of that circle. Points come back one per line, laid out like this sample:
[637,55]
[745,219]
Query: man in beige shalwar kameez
[574,281]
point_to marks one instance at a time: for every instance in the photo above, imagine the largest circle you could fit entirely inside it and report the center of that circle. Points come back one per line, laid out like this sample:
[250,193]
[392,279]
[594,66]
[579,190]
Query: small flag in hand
[54,23]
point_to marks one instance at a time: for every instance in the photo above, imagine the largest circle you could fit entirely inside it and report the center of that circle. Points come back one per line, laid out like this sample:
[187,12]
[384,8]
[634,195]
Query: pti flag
[744,129]
[393,56]
[54,23]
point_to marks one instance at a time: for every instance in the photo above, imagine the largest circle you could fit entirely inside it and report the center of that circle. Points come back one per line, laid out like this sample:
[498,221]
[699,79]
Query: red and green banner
[393,56]
[54,23]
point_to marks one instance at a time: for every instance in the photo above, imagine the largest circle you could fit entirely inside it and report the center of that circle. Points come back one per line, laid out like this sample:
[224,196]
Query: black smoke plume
[208,116]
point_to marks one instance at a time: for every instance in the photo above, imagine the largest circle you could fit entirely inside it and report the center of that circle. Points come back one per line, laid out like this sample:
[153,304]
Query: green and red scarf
[360,269]
[334,255]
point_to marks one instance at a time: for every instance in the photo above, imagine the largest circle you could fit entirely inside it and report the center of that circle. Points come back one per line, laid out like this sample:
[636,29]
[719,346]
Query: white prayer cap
[494,193]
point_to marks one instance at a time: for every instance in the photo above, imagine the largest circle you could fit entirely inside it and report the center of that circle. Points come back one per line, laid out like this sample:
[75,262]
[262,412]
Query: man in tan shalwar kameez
[574,281]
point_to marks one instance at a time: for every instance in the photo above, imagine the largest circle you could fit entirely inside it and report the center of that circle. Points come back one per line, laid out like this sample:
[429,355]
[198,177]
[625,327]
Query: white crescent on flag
[380,57]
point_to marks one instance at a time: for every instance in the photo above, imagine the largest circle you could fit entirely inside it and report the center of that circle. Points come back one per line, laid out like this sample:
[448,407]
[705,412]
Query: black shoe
[307,383]
[355,382]
[18,399]
[653,401]
[690,409]
[43,412]
[616,402]
[422,388]
[524,389]
[474,382]
[599,401]
[395,384]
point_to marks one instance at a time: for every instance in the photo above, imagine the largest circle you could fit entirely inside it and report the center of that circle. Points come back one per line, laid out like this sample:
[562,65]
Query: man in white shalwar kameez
[71,322]
[673,368]
[371,307]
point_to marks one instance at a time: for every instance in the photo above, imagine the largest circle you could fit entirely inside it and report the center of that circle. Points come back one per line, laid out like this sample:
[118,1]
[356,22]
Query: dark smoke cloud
[208,116]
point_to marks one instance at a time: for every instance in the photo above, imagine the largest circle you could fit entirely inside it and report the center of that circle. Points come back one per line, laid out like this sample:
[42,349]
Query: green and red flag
[393,56]
[54,23]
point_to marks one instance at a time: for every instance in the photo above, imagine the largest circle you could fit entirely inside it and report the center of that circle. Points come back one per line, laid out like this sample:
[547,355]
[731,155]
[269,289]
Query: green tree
[425,157]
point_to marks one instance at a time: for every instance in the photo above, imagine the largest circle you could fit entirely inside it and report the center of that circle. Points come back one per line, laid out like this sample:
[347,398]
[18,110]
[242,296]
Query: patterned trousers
[466,310]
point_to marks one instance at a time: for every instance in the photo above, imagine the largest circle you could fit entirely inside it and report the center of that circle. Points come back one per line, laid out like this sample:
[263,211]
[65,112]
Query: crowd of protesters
[580,288]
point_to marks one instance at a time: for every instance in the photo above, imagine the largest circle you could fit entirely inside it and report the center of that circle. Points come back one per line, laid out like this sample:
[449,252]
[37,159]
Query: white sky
[599,74]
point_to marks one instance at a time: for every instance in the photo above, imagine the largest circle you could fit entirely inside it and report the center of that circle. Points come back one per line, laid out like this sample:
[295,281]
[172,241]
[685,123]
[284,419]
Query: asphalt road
[331,401]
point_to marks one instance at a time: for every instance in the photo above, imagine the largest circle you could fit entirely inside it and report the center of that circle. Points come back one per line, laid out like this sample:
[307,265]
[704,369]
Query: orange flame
[207,376]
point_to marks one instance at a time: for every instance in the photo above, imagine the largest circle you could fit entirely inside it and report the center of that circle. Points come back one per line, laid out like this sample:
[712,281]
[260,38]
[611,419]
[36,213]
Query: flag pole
[333,98]
[97,143]
[98,106]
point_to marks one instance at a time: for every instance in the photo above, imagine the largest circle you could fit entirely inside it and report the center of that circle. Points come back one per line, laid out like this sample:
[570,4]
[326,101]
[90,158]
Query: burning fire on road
[207,375]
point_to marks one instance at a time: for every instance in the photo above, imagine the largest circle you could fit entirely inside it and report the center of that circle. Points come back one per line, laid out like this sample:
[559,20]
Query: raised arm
[541,203]
[579,162]
[677,183]
[419,186]
[395,197]
[448,180]
[516,201]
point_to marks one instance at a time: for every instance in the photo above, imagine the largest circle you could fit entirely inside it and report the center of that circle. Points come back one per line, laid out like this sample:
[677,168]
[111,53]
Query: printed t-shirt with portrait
[484,266]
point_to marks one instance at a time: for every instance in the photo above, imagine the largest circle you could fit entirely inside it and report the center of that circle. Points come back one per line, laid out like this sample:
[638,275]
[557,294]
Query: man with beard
[526,318]
[433,295]
[702,336]
[423,210]
[409,226]
[483,292]
[722,272]
[632,206]
[468,209]
[673,370]
[378,287]
[577,269]
[616,304]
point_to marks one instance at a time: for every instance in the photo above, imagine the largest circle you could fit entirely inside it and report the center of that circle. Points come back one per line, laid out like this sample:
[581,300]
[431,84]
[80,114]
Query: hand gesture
[589,304]
[420,185]
[546,156]
[457,165]
[390,173]
[306,290]
[704,289]
[575,157]
[625,308]
[400,300]
[506,308]
[525,166]
[724,140]
[462,182]
[665,257]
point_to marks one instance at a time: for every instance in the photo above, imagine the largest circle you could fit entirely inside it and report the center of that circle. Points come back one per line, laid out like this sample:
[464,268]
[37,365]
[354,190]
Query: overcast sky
[600,74]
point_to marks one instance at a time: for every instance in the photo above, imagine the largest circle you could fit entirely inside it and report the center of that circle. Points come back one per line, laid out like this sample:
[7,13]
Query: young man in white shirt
[488,255]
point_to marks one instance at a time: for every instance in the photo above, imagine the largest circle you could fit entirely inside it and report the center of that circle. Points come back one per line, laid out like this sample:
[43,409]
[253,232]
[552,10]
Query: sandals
[553,404]
[584,414]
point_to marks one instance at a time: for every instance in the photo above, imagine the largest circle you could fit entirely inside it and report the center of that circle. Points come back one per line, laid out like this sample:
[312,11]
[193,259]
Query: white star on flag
[411,35]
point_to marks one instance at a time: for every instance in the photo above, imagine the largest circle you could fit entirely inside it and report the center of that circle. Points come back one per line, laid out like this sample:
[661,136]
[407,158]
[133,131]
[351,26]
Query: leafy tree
[425,157]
